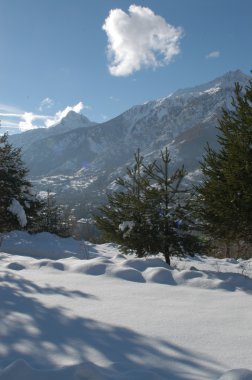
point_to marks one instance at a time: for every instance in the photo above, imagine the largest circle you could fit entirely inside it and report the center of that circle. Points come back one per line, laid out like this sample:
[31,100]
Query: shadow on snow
[38,333]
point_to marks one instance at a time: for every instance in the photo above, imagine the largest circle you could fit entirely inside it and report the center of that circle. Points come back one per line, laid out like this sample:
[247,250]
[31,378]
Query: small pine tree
[122,219]
[19,206]
[149,214]
[52,219]
[169,213]
[225,194]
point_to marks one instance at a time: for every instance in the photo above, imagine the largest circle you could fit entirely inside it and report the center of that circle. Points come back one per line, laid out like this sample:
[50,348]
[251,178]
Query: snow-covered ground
[71,311]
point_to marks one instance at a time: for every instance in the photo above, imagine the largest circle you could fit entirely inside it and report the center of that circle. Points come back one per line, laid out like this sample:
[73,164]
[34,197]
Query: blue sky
[100,57]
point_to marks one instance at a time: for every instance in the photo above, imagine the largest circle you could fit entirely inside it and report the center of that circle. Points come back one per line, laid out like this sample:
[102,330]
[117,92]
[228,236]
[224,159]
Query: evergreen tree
[19,206]
[52,217]
[122,219]
[225,194]
[149,215]
[169,212]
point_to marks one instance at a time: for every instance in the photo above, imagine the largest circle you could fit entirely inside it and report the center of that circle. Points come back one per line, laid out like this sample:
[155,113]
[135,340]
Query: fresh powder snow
[118,317]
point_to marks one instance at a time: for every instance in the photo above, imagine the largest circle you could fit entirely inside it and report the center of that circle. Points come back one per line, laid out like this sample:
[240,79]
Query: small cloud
[213,54]
[26,124]
[139,39]
[46,104]
[27,121]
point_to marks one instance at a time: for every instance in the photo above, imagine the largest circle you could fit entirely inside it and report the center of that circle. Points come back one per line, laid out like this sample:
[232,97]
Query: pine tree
[149,215]
[169,211]
[225,194]
[19,206]
[52,217]
[122,219]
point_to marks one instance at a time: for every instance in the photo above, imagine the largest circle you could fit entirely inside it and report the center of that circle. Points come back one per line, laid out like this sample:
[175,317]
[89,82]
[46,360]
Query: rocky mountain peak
[73,116]
[224,82]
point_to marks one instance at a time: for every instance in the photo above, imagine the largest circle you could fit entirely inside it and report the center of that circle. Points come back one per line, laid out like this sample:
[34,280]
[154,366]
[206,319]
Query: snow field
[118,317]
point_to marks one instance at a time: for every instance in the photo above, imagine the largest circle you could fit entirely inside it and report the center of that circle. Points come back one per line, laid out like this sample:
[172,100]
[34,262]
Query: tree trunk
[227,250]
[1,238]
[167,258]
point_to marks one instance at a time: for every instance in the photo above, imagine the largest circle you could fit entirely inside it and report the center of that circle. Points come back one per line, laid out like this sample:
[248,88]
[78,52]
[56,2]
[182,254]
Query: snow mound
[94,267]
[91,268]
[56,265]
[233,281]
[139,375]
[39,264]
[128,274]
[18,369]
[39,245]
[237,374]
[160,276]
[143,264]
[51,252]
[119,256]
[195,278]
[15,266]
[186,275]
[21,370]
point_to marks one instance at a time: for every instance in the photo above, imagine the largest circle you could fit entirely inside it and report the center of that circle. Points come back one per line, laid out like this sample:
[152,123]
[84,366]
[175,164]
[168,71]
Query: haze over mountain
[79,155]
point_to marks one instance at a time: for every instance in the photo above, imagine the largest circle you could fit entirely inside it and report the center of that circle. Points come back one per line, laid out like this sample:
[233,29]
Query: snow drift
[98,314]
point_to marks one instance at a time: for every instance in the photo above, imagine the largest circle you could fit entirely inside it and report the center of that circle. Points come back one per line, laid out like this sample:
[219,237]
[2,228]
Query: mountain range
[77,157]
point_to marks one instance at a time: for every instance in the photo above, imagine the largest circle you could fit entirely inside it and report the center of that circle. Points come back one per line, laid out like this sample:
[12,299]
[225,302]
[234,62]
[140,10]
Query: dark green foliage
[150,214]
[225,195]
[125,208]
[169,211]
[15,187]
[52,218]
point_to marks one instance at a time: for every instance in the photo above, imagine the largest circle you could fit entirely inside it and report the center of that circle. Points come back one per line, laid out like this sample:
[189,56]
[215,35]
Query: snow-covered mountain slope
[225,81]
[183,121]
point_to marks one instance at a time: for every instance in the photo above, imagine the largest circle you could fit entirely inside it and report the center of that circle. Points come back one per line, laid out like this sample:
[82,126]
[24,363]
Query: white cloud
[27,123]
[6,114]
[213,54]
[60,114]
[6,108]
[9,125]
[28,119]
[46,104]
[21,121]
[139,39]
[12,117]
[9,117]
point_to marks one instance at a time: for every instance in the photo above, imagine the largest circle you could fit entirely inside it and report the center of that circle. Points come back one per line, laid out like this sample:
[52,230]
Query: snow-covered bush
[19,206]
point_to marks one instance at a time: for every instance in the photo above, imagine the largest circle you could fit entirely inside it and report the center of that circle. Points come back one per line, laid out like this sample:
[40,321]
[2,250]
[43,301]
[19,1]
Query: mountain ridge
[89,159]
